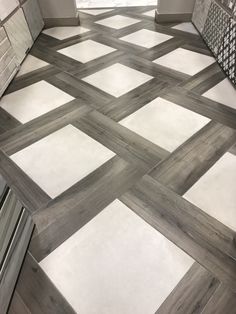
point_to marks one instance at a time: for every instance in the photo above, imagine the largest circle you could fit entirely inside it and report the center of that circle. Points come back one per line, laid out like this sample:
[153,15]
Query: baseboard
[182,17]
[69,21]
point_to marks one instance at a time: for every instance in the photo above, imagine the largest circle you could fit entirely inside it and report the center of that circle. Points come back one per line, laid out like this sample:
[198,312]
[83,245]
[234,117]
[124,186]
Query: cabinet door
[15,231]
[33,17]
[19,35]
[7,7]
[8,63]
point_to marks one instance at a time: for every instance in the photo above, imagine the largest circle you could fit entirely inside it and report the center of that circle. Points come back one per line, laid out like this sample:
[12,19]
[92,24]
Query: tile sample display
[146,38]
[216,23]
[117,79]
[33,101]
[67,151]
[215,193]
[115,260]
[227,51]
[33,17]
[86,51]
[19,35]
[215,20]
[228,4]
[164,123]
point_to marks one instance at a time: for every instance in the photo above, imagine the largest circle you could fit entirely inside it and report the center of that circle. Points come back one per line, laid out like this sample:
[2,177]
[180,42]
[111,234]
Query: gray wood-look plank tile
[71,211]
[38,293]
[191,294]
[208,241]
[223,301]
[191,160]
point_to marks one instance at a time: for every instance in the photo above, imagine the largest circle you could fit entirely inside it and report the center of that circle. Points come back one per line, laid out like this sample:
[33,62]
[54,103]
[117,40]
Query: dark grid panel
[227,51]
[216,23]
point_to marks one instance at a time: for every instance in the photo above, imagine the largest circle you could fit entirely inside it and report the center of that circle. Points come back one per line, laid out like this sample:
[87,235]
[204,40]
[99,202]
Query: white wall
[58,8]
[175,6]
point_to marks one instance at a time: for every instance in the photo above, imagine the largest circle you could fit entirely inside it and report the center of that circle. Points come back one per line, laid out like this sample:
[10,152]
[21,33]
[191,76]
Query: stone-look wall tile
[200,13]
[227,51]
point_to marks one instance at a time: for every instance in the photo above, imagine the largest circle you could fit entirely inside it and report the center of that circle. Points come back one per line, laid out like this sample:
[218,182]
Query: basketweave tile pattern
[216,23]
[107,152]
[227,51]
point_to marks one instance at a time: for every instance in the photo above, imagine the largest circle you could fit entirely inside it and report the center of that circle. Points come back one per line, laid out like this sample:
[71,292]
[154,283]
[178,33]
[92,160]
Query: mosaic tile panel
[228,4]
[227,53]
[215,20]
[216,23]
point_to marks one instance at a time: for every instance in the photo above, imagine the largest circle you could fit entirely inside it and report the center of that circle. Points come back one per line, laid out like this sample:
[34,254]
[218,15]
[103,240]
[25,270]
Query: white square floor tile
[96,11]
[61,159]
[64,32]
[117,79]
[86,51]
[30,64]
[164,123]
[146,38]
[33,101]
[150,13]
[116,264]
[186,27]
[224,93]
[215,191]
[185,61]
[117,21]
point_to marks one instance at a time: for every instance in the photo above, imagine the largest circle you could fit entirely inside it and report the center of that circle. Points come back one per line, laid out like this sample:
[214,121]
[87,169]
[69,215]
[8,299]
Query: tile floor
[212,193]
[86,51]
[65,32]
[223,92]
[186,27]
[95,12]
[34,100]
[146,38]
[164,123]
[67,146]
[30,64]
[106,150]
[117,21]
[115,261]
[112,3]
[117,79]
[194,62]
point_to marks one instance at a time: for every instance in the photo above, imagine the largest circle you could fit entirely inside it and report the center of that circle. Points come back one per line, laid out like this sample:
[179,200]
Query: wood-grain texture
[150,180]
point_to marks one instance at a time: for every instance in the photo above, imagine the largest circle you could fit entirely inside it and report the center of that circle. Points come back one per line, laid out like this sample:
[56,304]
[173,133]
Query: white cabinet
[8,62]
[7,7]
[33,17]
[19,34]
